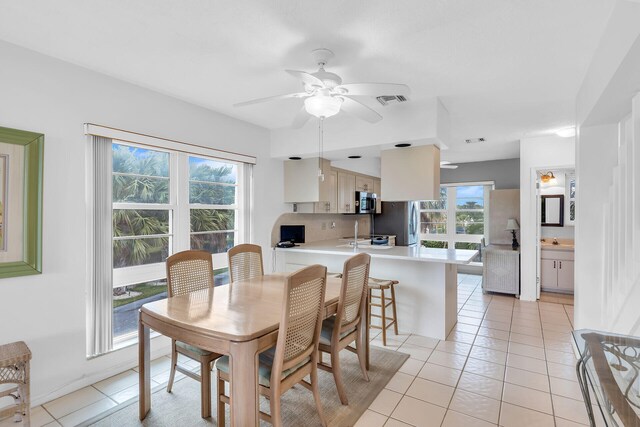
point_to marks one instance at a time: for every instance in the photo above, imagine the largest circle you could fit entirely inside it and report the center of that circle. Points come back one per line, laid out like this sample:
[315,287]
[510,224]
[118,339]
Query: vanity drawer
[559,255]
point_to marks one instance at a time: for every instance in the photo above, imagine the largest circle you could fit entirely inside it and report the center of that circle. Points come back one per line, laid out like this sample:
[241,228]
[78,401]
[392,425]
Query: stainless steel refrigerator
[400,219]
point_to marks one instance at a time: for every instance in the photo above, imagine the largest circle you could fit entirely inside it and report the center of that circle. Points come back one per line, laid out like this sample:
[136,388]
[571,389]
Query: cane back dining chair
[245,262]
[190,271]
[296,352]
[346,326]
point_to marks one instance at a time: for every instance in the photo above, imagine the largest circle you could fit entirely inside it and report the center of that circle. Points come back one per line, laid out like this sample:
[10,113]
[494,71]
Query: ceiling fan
[324,94]
[447,165]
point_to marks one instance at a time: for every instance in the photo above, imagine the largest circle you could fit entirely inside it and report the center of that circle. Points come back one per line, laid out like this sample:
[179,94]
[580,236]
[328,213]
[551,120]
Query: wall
[607,294]
[503,205]
[536,153]
[505,173]
[45,95]
[318,227]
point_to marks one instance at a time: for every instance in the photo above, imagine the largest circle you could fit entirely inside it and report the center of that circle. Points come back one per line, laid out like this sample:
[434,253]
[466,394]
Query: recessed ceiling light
[355,157]
[295,158]
[403,145]
[474,140]
[567,132]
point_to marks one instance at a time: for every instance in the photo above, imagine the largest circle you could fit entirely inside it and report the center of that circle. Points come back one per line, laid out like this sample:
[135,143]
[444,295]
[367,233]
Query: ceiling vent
[474,140]
[390,99]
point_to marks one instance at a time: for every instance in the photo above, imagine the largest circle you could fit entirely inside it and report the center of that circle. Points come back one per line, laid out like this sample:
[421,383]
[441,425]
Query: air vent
[474,140]
[389,99]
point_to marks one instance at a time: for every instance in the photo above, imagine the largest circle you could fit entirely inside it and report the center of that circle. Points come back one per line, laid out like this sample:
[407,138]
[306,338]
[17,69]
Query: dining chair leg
[274,403]
[369,310]
[316,394]
[205,387]
[174,363]
[362,354]
[337,375]
[393,308]
[383,303]
[219,402]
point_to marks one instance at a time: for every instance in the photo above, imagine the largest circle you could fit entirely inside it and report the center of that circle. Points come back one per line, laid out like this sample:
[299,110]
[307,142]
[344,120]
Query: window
[571,200]
[457,220]
[164,202]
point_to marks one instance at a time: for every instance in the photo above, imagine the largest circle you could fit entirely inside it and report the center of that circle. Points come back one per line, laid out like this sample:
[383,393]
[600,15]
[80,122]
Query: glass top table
[610,364]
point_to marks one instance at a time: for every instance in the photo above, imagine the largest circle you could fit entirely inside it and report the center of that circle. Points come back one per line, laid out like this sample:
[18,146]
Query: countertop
[548,246]
[416,253]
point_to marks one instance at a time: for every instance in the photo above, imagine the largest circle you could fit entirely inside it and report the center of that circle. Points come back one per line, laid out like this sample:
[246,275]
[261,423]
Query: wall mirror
[21,160]
[552,214]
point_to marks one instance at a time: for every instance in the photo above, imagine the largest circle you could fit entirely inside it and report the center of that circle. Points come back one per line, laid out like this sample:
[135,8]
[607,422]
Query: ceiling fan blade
[272,98]
[301,118]
[306,78]
[374,89]
[360,110]
[448,166]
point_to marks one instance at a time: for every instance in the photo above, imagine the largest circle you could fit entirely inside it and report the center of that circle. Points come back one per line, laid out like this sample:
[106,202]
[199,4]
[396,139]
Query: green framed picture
[21,170]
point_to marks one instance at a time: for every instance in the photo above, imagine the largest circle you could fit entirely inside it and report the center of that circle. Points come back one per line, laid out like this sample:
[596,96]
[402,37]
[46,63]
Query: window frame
[451,237]
[180,221]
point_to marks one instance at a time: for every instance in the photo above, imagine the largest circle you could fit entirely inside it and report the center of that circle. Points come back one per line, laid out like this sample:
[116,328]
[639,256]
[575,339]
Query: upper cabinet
[302,183]
[335,194]
[411,173]
[328,194]
[346,192]
[364,184]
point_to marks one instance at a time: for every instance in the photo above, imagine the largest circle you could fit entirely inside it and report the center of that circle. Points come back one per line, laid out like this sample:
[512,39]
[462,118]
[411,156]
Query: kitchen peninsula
[426,297]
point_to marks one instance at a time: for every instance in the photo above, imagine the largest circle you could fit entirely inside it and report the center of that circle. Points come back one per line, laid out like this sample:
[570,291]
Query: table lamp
[512,225]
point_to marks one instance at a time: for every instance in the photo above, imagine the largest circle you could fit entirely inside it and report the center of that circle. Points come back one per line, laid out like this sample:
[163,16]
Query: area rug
[182,406]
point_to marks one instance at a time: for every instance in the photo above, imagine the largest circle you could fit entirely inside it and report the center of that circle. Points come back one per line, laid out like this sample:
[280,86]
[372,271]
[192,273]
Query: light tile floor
[507,362]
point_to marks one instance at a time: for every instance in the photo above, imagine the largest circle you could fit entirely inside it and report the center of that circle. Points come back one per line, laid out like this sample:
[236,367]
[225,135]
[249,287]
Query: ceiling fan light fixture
[323,106]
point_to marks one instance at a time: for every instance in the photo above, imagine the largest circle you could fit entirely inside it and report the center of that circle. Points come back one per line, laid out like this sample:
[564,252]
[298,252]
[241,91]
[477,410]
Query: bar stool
[14,369]
[382,285]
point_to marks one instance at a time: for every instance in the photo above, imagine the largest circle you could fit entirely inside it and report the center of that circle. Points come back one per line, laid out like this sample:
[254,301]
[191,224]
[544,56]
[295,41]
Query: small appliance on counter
[380,240]
[400,219]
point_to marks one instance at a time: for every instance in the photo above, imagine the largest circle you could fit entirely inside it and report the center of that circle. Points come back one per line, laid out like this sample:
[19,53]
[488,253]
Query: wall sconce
[549,178]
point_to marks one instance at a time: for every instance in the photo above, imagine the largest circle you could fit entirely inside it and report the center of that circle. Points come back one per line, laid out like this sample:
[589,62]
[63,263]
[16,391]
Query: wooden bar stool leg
[393,308]
[384,319]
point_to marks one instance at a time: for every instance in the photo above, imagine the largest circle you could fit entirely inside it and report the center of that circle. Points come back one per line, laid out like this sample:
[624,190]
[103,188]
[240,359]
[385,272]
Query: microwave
[365,202]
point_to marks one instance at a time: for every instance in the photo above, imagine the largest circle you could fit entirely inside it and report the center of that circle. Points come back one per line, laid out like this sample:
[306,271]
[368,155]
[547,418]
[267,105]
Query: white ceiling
[504,69]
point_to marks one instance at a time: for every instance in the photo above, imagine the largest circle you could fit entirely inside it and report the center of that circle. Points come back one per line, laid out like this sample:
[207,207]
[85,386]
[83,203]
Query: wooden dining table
[240,319]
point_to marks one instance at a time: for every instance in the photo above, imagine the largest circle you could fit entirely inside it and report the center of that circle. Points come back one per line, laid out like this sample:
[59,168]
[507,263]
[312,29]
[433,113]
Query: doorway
[556,194]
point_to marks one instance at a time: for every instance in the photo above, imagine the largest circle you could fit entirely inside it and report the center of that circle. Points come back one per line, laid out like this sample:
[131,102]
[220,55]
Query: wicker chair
[245,262]
[346,327]
[190,271]
[14,370]
[296,352]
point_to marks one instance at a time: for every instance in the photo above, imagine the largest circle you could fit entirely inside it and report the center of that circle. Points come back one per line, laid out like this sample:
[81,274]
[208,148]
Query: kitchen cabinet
[410,173]
[328,194]
[346,192]
[377,188]
[302,183]
[557,270]
[364,183]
